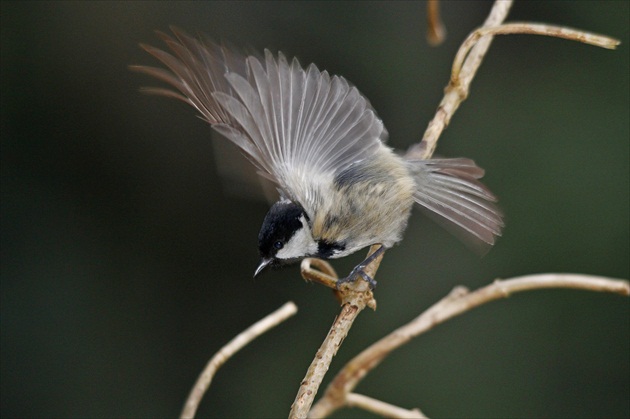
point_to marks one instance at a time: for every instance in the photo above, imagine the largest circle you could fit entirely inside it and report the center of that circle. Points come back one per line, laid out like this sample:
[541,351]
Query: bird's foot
[355,274]
[359,270]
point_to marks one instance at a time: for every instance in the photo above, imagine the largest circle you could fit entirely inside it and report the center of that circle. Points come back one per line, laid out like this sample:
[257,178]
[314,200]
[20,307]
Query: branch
[454,304]
[381,408]
[436,32]
[355,296]
[470,55]
[236,344]
[529,29]
[453,97]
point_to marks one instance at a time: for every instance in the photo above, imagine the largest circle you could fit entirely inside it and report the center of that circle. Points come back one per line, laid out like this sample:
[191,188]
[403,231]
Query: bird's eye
[278,245]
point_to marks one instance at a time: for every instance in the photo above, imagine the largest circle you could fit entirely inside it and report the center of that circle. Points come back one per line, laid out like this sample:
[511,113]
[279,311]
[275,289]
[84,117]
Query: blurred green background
[125,265]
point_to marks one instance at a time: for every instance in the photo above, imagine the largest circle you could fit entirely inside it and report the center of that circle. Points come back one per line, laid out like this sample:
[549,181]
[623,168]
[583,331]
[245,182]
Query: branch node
[503,290]
[458,292]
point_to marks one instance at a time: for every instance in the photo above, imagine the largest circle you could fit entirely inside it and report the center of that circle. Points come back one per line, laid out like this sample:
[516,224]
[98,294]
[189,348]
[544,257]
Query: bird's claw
[357,272]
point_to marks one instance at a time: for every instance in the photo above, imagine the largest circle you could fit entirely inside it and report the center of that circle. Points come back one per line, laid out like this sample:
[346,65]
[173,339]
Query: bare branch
[436,33]
[324,273]
[470,56]
[381,408]
[236,344]
[318,368]
[529,29]
[355,296]
[453,97]
[457,302]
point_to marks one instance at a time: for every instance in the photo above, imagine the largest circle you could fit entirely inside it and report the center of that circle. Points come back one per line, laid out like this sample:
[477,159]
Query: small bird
[318,139]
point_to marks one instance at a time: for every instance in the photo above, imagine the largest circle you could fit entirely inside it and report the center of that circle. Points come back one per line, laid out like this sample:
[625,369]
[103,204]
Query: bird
[319,141]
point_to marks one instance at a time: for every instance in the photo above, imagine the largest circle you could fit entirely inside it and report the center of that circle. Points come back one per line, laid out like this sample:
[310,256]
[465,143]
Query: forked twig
[236,344]
[454,304]
[526,28]
[454,96]
[470,55]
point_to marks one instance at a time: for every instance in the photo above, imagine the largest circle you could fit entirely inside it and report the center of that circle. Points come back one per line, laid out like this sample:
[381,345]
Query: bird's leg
[359,270]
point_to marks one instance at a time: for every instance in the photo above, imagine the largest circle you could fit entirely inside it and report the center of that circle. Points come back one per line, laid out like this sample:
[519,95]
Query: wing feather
[291,122]
[256,111]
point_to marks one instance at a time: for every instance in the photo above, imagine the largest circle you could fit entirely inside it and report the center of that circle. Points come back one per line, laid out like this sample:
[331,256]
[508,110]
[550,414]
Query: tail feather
[449,191]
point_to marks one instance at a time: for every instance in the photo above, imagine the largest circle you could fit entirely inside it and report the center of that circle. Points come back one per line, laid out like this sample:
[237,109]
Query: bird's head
[285,236]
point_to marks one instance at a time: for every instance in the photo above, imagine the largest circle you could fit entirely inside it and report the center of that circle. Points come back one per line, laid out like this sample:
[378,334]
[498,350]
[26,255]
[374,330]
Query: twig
[236,344]
[457,302]
[470,55]
[453,97]
[323,358]
[436,33]
[355,297]
[324,274]
[528,29]
[381,408]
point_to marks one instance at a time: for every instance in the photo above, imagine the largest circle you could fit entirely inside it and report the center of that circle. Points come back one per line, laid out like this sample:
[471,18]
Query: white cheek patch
[300,245]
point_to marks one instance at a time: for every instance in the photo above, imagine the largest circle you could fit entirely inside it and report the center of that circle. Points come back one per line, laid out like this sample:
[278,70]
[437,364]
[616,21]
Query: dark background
[125,265]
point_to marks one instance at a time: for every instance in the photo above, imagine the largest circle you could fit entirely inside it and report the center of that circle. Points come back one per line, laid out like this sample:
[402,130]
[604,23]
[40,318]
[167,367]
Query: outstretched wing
[291,122]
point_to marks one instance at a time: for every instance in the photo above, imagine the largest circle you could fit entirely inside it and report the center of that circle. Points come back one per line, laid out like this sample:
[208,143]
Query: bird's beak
[263,264]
